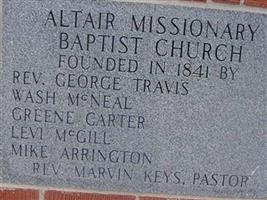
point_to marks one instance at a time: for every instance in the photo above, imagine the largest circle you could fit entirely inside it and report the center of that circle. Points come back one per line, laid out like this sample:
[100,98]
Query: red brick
[57,195]
[257,3]
[18,194]
[228,1]
[200,0]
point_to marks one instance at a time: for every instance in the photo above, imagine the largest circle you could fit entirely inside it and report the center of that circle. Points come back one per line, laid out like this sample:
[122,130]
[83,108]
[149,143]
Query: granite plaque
[134,97]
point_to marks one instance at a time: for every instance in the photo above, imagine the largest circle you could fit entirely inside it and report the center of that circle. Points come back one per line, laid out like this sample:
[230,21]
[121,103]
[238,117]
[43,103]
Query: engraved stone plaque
[131,97]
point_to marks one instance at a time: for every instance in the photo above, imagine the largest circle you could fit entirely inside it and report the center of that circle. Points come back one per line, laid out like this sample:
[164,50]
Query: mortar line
[41,194]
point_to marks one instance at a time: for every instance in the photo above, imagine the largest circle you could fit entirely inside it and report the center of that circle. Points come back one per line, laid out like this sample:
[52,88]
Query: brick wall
[27,193]
[40,194]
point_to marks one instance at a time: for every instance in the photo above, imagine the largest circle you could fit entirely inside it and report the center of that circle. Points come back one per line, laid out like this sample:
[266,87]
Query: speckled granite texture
[134,98]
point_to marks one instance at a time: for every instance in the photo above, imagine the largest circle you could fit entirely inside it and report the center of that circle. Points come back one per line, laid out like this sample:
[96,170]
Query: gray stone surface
[195,126]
